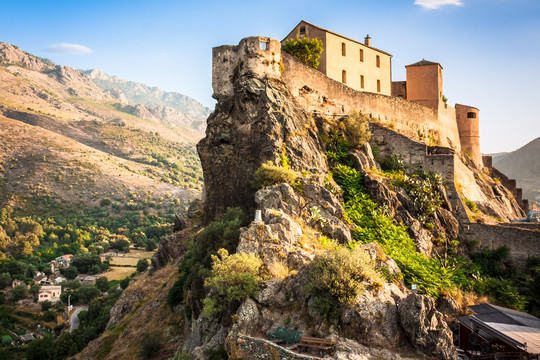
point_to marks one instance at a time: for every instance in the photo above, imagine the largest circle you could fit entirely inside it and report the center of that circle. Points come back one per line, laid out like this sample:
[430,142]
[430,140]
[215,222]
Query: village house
[18,282]
[41,279]
[86,279]
[49,293]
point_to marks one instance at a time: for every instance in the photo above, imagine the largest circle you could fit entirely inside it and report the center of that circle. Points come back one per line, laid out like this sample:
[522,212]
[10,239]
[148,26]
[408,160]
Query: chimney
[367,40]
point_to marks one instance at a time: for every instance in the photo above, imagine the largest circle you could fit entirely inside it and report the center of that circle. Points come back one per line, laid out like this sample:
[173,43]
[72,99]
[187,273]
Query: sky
[489,49]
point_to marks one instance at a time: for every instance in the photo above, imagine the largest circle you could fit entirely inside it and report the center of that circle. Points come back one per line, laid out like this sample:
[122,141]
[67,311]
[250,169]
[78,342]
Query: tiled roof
[344,37]
[424,62]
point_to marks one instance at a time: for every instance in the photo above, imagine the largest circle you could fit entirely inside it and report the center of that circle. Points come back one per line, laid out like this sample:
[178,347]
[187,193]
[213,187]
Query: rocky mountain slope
[343,235]
[65,138]
[523,165]
[133,93]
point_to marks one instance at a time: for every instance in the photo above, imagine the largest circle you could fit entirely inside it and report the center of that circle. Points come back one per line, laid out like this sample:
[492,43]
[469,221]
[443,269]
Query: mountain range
[523,165]
[66,139]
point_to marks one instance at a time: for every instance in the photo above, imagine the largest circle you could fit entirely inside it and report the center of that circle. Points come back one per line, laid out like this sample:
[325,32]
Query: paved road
[75,318]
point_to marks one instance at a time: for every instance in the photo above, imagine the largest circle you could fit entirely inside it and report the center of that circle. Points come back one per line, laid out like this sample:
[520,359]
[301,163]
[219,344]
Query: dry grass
[121,260]
[278,269]
[119,273]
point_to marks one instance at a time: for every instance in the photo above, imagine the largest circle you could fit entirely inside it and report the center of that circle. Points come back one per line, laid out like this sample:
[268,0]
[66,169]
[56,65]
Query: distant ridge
[139,93]
[523,165]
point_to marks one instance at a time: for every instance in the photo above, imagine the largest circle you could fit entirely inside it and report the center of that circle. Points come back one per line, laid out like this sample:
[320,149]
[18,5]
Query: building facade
[49,293]
[356,64]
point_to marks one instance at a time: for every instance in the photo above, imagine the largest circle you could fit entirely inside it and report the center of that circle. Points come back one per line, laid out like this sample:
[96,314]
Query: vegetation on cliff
[306,50]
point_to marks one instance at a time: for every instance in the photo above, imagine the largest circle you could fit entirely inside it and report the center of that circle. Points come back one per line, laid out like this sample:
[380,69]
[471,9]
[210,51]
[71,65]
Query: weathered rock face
[258,124]
[12,55]
[425,326]
[280,237]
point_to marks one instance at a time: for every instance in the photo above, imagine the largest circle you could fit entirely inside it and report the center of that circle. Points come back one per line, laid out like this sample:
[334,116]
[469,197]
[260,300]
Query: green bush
[306,50]
[337,148]
[393,163]
[269,174]
[337,277]
[233,279]
[142,265]
[197,262]
[471,205]
[357,129]
[149,345]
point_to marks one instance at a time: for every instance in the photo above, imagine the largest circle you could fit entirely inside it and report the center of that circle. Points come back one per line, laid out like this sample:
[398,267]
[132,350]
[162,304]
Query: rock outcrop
[260,123]
[426,327]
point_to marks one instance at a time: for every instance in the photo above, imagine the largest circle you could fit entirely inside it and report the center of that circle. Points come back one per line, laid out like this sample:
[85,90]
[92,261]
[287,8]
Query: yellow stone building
[358,65]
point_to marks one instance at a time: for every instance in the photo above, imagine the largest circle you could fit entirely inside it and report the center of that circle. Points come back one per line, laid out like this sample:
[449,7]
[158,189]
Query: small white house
[49,293]
[58,280]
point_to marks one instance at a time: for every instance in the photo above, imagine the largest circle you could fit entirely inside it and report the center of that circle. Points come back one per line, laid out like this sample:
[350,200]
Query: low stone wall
[523,243]
[419,155]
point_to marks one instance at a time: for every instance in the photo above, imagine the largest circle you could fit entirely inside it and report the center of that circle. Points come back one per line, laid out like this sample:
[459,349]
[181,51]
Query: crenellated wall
[317,92]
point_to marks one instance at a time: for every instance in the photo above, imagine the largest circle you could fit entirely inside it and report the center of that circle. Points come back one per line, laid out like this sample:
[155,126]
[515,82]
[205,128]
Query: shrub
[269,174]
[338,276]
[149,345]
[337,148]
[197,262]
[105,202]
[125,283]
[357,130]
[393,163]
[142,265]
[471,205]
[233,279]
[306,50]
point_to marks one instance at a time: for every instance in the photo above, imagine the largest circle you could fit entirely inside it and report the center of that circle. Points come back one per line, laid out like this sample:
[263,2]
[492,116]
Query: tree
[70,272]
[46,305]
[124,283]
[306,50]
[40,349]
[5,280]
[150,245]
[19,292]
[85,261]
[102,284]
[88,292]
[142,265]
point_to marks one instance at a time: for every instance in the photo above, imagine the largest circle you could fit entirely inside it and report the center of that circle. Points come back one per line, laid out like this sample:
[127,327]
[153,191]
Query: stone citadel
[354,76]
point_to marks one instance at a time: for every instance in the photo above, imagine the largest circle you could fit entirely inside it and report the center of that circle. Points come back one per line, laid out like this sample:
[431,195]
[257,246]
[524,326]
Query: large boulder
[426,327]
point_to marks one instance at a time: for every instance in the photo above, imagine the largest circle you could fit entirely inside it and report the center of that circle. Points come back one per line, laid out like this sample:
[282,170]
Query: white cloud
[435,4]
[64,48]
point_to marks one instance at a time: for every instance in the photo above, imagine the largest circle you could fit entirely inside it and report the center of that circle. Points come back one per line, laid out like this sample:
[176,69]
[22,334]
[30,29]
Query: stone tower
[468,120]
[424,83]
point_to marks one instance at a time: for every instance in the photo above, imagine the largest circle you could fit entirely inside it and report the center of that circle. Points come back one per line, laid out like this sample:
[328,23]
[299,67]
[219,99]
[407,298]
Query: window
[343,76]
[302,30]
[471,115]
[361,81]
[378,85]
[265,45]
[378,61]
[361,55]
[343,49]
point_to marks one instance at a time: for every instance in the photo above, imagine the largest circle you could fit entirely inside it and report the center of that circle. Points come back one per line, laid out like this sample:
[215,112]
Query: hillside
[523,165]
[134,93]
[86,144]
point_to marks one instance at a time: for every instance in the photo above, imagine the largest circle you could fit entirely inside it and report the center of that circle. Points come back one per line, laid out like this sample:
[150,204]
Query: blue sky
[489,49]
